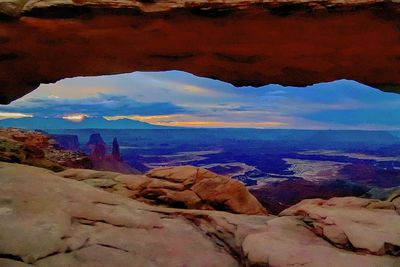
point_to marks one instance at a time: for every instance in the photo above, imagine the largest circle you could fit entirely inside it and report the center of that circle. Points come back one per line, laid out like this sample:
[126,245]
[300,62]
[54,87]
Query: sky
[175,98]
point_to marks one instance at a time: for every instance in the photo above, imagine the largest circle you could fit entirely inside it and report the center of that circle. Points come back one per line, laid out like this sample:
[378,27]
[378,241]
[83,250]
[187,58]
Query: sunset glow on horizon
[175,98]
[75,117]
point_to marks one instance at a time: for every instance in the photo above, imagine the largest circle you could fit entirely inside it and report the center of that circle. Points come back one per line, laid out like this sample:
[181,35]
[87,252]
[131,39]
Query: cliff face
[67,141]
[241,42]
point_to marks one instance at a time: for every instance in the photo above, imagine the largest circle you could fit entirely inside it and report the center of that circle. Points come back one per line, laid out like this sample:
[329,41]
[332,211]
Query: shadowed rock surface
[241,42]
[67,141]
[47,220]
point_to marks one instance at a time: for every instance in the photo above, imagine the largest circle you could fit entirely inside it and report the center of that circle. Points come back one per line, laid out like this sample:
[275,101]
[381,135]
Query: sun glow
[188,120]
[75,117]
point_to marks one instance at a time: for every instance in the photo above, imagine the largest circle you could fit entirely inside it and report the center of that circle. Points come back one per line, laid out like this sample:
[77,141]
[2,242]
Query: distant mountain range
[88,123]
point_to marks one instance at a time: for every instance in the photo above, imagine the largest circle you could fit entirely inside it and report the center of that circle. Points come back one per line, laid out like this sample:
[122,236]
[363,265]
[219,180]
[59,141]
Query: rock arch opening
[329,139]
[255,149]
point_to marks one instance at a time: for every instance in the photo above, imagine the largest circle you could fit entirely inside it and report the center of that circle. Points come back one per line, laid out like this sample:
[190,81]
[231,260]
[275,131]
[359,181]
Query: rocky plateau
[58,152]
[38,149]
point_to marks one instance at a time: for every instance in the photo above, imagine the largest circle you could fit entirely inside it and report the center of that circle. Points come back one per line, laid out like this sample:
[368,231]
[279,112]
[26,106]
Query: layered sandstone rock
[38,149]
[47,220]
[241,42]
[183,187]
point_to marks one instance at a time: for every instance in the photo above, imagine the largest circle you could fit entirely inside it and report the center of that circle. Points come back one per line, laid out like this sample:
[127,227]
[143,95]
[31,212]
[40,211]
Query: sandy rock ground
[47,220]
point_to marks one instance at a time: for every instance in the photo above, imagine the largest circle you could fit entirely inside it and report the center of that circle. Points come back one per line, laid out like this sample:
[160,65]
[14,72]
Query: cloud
[182,99]
[75,117]
[14,115]
[99,105]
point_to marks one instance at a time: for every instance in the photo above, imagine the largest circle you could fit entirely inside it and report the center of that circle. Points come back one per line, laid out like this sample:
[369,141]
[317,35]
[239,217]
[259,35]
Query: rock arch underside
[241,42]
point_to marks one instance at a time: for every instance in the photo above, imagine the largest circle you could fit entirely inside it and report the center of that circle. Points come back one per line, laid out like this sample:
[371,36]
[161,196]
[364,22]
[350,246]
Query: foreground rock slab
[289,242]
[50,221]
[353,223]
[179,187]
[46,220]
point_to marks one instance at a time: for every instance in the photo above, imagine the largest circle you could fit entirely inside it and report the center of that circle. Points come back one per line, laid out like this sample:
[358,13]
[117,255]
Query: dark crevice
[113,247]
[11,257]
[243,59]
[392,249]
[82,12]
[104,203]
[87,221]
[172,57]
[52,254]
[309,225]
[92,222]
[9,56]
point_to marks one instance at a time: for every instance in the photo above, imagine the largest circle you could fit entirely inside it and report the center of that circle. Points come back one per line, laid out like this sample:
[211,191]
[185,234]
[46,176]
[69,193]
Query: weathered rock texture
[180,187]
[378,225]
[241,42]
[47,220]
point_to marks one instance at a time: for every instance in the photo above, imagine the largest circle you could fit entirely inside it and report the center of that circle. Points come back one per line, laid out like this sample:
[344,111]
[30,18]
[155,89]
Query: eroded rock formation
[241,42]
[94,228]
[116,154]
[179,187]
[38,149]
[104,161]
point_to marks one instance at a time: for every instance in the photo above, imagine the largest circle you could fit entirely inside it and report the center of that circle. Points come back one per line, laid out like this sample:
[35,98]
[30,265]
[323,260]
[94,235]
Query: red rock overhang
[244,43]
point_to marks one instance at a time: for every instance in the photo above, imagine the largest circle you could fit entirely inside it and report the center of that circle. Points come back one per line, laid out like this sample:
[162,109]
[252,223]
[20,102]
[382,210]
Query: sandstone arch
[242,42]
